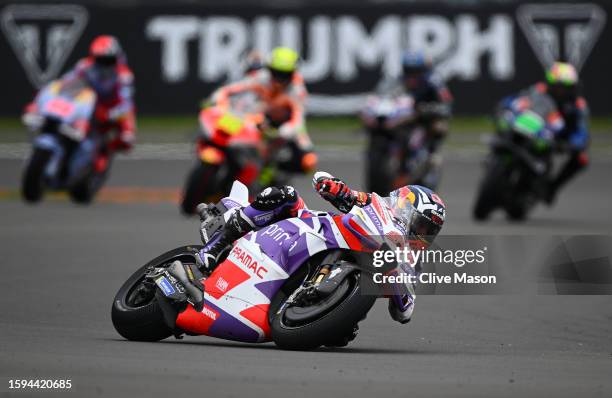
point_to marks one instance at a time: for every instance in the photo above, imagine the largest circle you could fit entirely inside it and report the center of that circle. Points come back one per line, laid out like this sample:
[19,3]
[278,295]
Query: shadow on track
[271,346]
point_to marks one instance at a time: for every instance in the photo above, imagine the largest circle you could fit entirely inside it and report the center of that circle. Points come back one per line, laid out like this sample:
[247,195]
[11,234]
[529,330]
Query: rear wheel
[333,322]
[33,184]
[85,190]
[201,183]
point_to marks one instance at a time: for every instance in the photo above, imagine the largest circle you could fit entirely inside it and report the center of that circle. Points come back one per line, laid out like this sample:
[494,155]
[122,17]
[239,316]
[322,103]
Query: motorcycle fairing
[238,293]
[70,102]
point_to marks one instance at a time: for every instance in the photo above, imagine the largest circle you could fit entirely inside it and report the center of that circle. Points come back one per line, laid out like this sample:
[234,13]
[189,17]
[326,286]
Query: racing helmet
[415,63]
[562,81]
[415,68]
[421,211]
[282,64]
[105,50]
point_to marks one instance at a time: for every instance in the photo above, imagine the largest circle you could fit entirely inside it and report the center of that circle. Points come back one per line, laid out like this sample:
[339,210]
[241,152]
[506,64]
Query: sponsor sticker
[221,284]
[165,286]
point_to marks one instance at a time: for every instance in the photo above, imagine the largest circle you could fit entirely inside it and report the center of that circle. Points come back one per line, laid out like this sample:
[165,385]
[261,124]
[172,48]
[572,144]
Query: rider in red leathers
[105,69]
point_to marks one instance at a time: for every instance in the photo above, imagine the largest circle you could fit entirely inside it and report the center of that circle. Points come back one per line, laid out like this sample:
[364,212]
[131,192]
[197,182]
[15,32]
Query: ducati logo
[562,32]
[42,36]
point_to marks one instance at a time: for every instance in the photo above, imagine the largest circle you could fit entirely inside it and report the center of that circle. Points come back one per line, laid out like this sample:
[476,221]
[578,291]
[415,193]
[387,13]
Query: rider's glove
[334,190]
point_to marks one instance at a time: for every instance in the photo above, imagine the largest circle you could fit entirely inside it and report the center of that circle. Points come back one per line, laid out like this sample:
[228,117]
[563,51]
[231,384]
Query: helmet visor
[106,60]
[418,225]
[281,76]
[423,228]
[413,71]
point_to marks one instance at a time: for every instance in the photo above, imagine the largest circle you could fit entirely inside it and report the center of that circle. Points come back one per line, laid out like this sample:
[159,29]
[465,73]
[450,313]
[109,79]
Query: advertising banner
[179,54]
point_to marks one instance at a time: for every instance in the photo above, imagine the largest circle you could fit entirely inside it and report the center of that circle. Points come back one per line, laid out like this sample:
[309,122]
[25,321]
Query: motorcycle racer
[417,211]
[105,69]
[433,100]
[281,87]
[569,121]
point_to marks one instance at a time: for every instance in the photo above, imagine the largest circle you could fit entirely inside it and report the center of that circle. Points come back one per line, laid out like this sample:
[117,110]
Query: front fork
[51,143]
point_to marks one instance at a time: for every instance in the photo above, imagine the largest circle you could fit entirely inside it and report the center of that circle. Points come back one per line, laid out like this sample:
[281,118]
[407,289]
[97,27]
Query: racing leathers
[432,103]
[114,109]
[569,124]
[284,110]
[274,204]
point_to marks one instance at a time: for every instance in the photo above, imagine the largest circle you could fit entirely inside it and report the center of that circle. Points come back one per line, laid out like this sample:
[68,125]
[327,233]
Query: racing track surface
[62,264]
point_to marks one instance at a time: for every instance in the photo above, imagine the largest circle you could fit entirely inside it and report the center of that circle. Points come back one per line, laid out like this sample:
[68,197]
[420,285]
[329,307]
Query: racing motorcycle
[397,152]
[61,121]
[518,166]
[302,282]
[231,146]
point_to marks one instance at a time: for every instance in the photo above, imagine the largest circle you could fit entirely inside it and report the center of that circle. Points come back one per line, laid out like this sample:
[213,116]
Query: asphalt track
[62,264]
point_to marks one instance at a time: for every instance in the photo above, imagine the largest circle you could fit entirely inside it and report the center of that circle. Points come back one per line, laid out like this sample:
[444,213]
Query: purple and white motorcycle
[302,282]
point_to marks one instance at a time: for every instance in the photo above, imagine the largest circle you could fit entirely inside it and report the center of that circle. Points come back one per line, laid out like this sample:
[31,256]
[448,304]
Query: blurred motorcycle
[518,166]
[60,117]
[232,145]
[397,153]
[309,291]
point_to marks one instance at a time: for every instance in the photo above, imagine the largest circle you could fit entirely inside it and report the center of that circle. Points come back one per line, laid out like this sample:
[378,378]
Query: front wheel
[380,168]
[201,183]
[490,191]
[33,184]
[136,313]
[331,326]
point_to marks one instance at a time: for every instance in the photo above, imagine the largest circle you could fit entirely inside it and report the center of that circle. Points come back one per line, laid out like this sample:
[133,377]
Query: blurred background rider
[562,87]
[105,69]
[433,99]
[280,85]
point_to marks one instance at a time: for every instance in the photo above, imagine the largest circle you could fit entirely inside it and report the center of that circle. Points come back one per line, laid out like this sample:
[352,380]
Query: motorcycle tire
[516,213]
[201,183]
[145,322]
[333,326]
[378,169]
[84,191]
[33,184]
[489,192]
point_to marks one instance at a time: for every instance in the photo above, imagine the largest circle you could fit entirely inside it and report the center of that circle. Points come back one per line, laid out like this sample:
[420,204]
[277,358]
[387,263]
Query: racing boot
[236,227]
